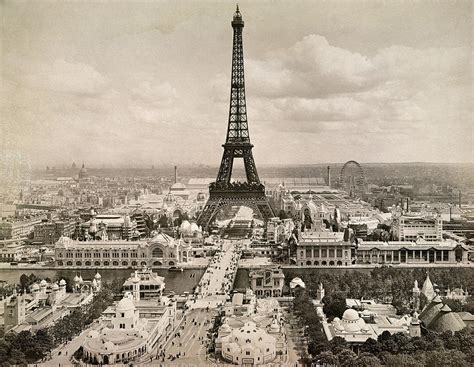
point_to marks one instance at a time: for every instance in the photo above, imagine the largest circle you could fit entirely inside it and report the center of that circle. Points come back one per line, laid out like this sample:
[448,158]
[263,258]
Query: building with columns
[419,252]
[161,250]
[323,248]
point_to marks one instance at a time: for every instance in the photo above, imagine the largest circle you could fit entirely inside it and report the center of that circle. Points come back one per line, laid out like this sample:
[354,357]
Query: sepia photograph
[254,182]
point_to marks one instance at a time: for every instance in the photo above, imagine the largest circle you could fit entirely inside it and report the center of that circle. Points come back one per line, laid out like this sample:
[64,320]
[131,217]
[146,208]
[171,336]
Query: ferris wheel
[352,178]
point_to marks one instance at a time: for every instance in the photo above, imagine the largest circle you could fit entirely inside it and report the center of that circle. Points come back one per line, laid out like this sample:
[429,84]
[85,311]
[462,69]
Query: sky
[142,83]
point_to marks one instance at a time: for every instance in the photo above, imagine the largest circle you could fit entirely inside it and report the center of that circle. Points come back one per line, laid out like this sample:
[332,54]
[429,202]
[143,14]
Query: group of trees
[385,283]
[27,347]
[395,350]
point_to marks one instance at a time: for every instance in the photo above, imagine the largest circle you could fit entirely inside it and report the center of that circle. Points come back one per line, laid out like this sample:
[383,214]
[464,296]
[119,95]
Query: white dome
[195,227]
[350,315]
[185,226]
[43,283]
[297,282]
[55,287]
[62,282]
[35,287]
[98,276]
[226,328]
[125,304]
[76,279]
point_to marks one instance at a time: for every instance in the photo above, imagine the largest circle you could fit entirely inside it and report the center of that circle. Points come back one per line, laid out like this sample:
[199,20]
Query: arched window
[134,263]
[143,263]
[115,263]
[60,263]
[308,262]
[331,263]
[88,263]
[106,263]
[124,263]
[157,252]
[324,263]
[69,263]
[316,263]
[97,263]
[78,263]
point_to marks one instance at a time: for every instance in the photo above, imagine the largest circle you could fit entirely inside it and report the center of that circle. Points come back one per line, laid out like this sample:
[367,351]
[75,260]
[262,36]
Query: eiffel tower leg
[207,213]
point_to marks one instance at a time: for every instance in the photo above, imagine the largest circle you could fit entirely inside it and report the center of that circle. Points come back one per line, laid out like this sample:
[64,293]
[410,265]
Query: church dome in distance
[83,171]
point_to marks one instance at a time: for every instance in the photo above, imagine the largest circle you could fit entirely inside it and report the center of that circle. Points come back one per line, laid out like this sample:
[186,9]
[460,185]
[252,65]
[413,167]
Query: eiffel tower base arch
[256,200]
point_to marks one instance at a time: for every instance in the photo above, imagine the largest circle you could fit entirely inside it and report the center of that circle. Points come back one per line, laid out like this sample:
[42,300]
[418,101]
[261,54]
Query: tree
[334,304]
[400,360]
[337,344]
[367,360]
[346,358]
[438,358]
[327,359]
[371,346]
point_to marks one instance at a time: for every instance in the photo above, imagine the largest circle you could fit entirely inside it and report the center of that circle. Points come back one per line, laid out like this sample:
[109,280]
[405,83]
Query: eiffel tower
[223,192]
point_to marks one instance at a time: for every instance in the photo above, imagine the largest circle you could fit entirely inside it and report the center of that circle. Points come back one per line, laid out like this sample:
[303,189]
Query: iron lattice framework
[224,192]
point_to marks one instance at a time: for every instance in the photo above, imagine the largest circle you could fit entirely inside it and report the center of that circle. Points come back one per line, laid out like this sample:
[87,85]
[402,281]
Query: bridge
[188,342]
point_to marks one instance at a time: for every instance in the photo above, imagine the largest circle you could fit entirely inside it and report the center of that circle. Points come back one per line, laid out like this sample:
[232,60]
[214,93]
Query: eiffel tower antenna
[223,191]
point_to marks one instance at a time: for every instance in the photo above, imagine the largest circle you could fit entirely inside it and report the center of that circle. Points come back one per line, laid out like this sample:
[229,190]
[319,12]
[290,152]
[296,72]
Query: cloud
[65,77]
[155,93]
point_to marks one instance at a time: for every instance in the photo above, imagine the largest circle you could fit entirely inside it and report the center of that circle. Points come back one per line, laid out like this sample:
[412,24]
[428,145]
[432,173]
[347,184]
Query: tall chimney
[459,199]
[175,174]
[408,206]
[329,176]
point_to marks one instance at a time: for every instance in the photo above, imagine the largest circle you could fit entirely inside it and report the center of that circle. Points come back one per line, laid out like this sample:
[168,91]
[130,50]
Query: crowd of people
[208,285]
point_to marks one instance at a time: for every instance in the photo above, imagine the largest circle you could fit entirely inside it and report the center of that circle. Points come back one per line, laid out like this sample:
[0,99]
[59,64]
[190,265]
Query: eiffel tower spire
[237,143]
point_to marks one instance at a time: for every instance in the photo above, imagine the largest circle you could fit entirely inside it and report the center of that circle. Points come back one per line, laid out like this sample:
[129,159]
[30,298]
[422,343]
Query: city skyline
[133,84]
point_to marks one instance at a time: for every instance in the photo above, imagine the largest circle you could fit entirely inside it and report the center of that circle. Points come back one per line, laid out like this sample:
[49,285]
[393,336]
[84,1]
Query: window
[247,353]
[88,254]
[78,254]
[122,314]
[97,255]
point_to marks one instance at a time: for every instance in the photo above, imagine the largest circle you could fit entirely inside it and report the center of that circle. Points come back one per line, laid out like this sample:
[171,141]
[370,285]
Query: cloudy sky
[143,83]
